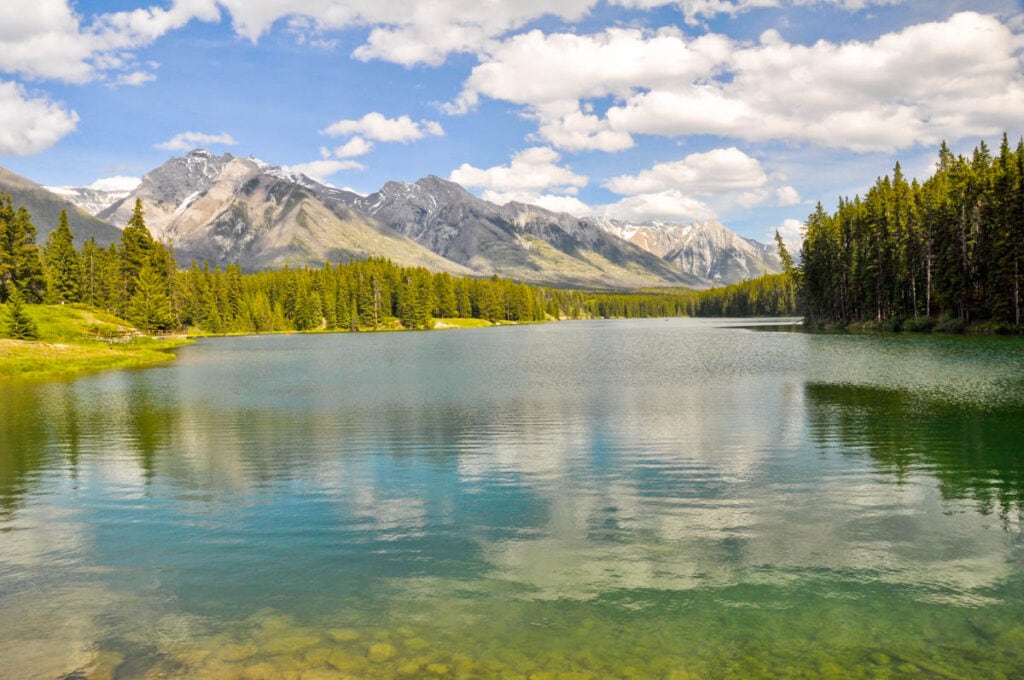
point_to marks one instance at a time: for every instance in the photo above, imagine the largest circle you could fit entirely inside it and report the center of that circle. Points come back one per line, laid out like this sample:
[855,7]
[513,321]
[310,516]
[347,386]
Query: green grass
[76,339]
[461,323]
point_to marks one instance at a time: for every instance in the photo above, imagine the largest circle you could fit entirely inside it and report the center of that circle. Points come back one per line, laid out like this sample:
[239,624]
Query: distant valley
[224,209]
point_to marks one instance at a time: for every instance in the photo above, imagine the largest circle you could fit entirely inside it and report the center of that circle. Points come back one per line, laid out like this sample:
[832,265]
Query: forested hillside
[948,252]
[767,295]
[139,280]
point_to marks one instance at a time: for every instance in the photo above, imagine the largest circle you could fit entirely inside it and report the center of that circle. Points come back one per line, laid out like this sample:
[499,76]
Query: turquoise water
[649,499]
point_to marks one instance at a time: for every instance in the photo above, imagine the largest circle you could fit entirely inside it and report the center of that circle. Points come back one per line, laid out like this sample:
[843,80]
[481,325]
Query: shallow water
[675,499]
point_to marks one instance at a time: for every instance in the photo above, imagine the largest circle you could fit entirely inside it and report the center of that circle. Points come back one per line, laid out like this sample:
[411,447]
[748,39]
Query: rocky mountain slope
[92,201]
[516,241]
[45,207]
[224,209]
[707,250]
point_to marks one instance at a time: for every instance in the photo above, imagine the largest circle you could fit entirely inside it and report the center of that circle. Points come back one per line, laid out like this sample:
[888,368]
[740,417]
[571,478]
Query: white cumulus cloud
[671,205]
[697,187]
[961,77]
[357,146]
[378,127]
[50,39]
[406,32]
[552,202]
[534,169]
[533,176]
[792,233]
[787,196]
[30,124]
[186,141]
[575,67]
[709,172]
[134,79]
[322,169]
[116,183]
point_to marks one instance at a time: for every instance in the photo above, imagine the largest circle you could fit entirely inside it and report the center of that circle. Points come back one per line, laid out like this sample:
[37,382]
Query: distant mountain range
[708,250]
[224,209]
[45,208]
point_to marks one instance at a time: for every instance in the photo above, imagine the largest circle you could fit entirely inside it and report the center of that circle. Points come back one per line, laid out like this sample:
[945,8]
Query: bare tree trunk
[928,286]
[1016,291]
[913,292]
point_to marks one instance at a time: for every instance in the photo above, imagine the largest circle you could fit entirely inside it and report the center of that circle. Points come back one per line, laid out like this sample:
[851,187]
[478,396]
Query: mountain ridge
[226,209]
[707,249]
[45,208]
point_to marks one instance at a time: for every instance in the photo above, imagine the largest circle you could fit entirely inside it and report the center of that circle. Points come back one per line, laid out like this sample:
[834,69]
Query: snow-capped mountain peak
[706,249]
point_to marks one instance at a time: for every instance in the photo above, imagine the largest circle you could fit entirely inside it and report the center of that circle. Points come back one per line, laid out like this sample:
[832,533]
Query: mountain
[92,201]
[224,209]
[516,241]
[45,207]
[707,250]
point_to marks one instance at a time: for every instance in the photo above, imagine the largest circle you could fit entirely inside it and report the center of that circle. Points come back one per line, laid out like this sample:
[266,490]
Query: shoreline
[922,326]
[25,360]
[75,349]
[70,354]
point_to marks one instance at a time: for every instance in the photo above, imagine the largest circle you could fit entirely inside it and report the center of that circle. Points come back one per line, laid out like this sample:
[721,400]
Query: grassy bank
[76,339]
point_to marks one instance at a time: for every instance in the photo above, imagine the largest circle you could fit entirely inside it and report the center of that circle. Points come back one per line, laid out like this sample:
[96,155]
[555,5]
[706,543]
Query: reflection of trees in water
[23,450]
[976,452]
[48,426]
[149,428]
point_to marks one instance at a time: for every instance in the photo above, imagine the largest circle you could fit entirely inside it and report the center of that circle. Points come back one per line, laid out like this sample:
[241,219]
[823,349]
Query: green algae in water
[596,640]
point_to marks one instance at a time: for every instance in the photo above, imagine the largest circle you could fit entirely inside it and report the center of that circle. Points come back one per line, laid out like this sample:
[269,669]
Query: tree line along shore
[945,255]
[138,280]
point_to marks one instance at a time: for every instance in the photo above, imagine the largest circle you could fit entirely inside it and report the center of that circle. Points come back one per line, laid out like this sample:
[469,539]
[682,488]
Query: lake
[601,499]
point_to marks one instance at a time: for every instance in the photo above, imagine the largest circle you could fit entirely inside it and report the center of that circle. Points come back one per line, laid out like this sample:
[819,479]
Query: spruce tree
[784,257]
[20,263]
[90,268]
[137,248]
[20,326]
[6,251]
[149,308]
[62,265]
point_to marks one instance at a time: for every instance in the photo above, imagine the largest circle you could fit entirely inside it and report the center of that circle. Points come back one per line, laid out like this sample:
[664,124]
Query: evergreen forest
[946,254]
[139,280]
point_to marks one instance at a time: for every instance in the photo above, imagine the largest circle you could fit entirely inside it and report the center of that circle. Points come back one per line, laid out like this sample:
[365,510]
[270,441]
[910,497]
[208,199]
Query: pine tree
[62,264]
[951,246]
[90,267]
[6,250]
[137,250]
[20,262]
[113,281]
[447,304]
[149,308]
[20,326]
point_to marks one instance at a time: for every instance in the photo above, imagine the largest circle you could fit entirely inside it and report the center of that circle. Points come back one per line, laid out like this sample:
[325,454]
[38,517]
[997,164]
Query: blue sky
[748,111]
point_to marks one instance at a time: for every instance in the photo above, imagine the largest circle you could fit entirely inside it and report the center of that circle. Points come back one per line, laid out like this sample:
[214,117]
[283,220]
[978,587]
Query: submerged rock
[323,674]
[104,666]
[346,661]
[408,668]
[239,652]
[290,644]
[381,652]
[343,634]
[417,644]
